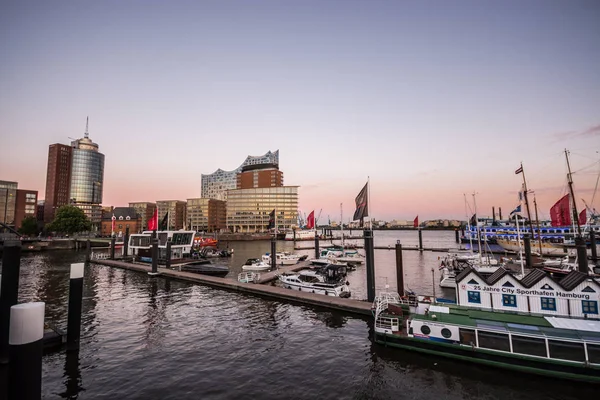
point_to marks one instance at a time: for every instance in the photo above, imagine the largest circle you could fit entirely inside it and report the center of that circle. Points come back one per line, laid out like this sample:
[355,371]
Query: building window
[474,297]
[509,300]
[589,306]
[548,304]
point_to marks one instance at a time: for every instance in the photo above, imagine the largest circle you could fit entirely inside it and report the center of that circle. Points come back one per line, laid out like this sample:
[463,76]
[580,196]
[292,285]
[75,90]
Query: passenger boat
[548,248]
[254,264]
[329,280]
[182,242]
[559,347]
[281,259]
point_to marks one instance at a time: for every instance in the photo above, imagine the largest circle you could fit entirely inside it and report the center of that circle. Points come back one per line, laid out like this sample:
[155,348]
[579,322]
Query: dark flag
[362,204]
[271,220]
[164,222]
[473,221]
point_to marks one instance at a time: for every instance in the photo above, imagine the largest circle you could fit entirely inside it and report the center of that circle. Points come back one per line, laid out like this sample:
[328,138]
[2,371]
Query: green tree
[29,226]
[69,220]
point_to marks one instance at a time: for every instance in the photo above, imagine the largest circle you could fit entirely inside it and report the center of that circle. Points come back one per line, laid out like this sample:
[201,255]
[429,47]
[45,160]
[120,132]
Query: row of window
[547,303]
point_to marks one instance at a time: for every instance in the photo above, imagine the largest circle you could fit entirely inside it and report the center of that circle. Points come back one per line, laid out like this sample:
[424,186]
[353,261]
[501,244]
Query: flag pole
[369,201]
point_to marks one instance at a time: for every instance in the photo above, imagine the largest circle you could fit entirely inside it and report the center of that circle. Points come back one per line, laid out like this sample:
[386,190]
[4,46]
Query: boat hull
[545,367]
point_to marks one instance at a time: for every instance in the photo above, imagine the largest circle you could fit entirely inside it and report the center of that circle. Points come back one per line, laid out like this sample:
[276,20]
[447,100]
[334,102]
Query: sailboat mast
[478,233]
[537,222]
[342,226]
[526,201]
[570,180]
[469,225]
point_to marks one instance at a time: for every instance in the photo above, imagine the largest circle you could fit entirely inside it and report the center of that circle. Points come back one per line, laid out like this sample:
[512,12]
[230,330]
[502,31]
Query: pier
[267,291]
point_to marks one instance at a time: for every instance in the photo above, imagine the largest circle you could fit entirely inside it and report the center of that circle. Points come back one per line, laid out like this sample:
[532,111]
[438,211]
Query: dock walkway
[268,291]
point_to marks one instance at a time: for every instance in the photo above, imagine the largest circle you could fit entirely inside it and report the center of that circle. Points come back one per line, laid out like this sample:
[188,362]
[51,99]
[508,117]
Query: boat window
[425,330]
[566,350]
[446,333]
[593,351]
[529,345]
[548,303]
[589,306]
[509,300]
[467,336]
[492,340]
[474,297]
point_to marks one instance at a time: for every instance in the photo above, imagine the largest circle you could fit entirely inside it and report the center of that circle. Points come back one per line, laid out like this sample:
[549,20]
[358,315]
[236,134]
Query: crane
[318,216]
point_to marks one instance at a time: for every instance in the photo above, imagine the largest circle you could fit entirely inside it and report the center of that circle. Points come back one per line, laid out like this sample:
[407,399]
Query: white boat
[140,244]
[254,264]
[327,256]
[448,279]
[329,281]
[548,248]
[248,277]
[281,259]
[301,234]
[556,262]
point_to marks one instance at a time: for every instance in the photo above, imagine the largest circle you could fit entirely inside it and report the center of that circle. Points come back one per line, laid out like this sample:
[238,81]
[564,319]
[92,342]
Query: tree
[69,219]
[29,226]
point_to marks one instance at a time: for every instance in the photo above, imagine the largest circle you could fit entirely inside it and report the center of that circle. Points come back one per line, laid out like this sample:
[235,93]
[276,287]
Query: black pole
[493,215]
[500,214]
[113,240]
[294,230]
[527,245]
[368,236]
[26,349]
[582,261]
[88,250]
[316,245]
[273,253]
[399,269]
[75,301]
[593,245]
[11,264]
[420,240]
[154,257]
[456,237]
[168,262]
[126,242]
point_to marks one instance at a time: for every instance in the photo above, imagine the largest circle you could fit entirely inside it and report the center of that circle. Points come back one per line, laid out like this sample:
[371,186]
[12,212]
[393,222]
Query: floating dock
[268,291]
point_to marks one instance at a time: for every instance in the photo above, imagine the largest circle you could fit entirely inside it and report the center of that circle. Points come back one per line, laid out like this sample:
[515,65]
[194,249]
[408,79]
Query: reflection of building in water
[215,185]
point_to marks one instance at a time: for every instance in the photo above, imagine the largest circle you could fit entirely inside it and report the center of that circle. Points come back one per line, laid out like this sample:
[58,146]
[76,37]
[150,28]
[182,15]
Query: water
[146,338]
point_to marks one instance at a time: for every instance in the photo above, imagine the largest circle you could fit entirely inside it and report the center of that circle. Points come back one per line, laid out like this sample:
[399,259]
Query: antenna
[87,133]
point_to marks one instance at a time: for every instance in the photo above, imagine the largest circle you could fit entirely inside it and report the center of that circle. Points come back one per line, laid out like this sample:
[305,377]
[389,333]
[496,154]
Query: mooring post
[456,237]
[399,269]
[88,250]
[11,265]
[582,255]
[527,245]
[593,245]
[294,231]
[420,240]
[370,255]
[154,258]
[126,243]
[113,241]
[316,245]
[168,261]
[273,253]
[26,349]
[75,305]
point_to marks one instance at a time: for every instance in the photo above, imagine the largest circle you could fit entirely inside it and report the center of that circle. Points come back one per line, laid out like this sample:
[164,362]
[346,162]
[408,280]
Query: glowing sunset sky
[431,99]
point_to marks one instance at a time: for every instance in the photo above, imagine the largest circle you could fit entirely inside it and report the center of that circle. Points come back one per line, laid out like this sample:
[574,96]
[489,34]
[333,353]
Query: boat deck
[268,291]
[272,275]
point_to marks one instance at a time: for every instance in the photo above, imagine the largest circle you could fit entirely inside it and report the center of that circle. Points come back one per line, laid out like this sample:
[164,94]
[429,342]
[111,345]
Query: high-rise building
[40,211]
[75,176]
[207,215]
[58,179]
[216,185]
[174,210]
[248,209]
[8,199]
[25,206]
[145,211]
[259,176]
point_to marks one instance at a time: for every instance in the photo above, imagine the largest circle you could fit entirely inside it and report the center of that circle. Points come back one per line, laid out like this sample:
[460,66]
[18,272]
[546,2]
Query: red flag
[153,222]
[310,220]
[113,222]
[416,222]
[582,217]
[560,213]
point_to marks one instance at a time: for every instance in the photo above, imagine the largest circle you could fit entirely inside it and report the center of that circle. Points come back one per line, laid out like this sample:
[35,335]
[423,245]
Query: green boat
[559,347]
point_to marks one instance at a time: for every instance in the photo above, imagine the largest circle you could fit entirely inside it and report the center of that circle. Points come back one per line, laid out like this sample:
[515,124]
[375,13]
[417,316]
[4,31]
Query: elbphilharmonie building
[216,185]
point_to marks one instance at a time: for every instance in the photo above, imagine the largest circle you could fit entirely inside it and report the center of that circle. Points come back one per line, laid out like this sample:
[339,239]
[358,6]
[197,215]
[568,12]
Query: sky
[433,102]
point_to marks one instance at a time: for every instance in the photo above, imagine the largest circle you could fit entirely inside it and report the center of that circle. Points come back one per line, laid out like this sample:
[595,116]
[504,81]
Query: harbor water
[155,338]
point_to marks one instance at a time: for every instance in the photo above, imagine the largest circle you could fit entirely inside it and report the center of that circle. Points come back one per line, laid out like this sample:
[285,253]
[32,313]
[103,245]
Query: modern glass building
[87,178]
[207,215]
[216,185]
[248,209]
[8,198]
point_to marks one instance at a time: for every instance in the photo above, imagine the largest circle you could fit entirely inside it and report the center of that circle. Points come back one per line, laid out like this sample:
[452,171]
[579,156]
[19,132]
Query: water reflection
[72,376]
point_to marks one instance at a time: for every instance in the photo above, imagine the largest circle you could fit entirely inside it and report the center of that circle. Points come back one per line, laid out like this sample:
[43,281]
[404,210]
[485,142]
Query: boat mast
[342,226]
[527,202]
[570,180]
[537,222]
[520,247]
[469,225]
[478,233]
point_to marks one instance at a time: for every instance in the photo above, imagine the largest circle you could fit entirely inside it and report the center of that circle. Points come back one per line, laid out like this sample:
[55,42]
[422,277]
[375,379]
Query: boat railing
[99,256]
[248,277]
